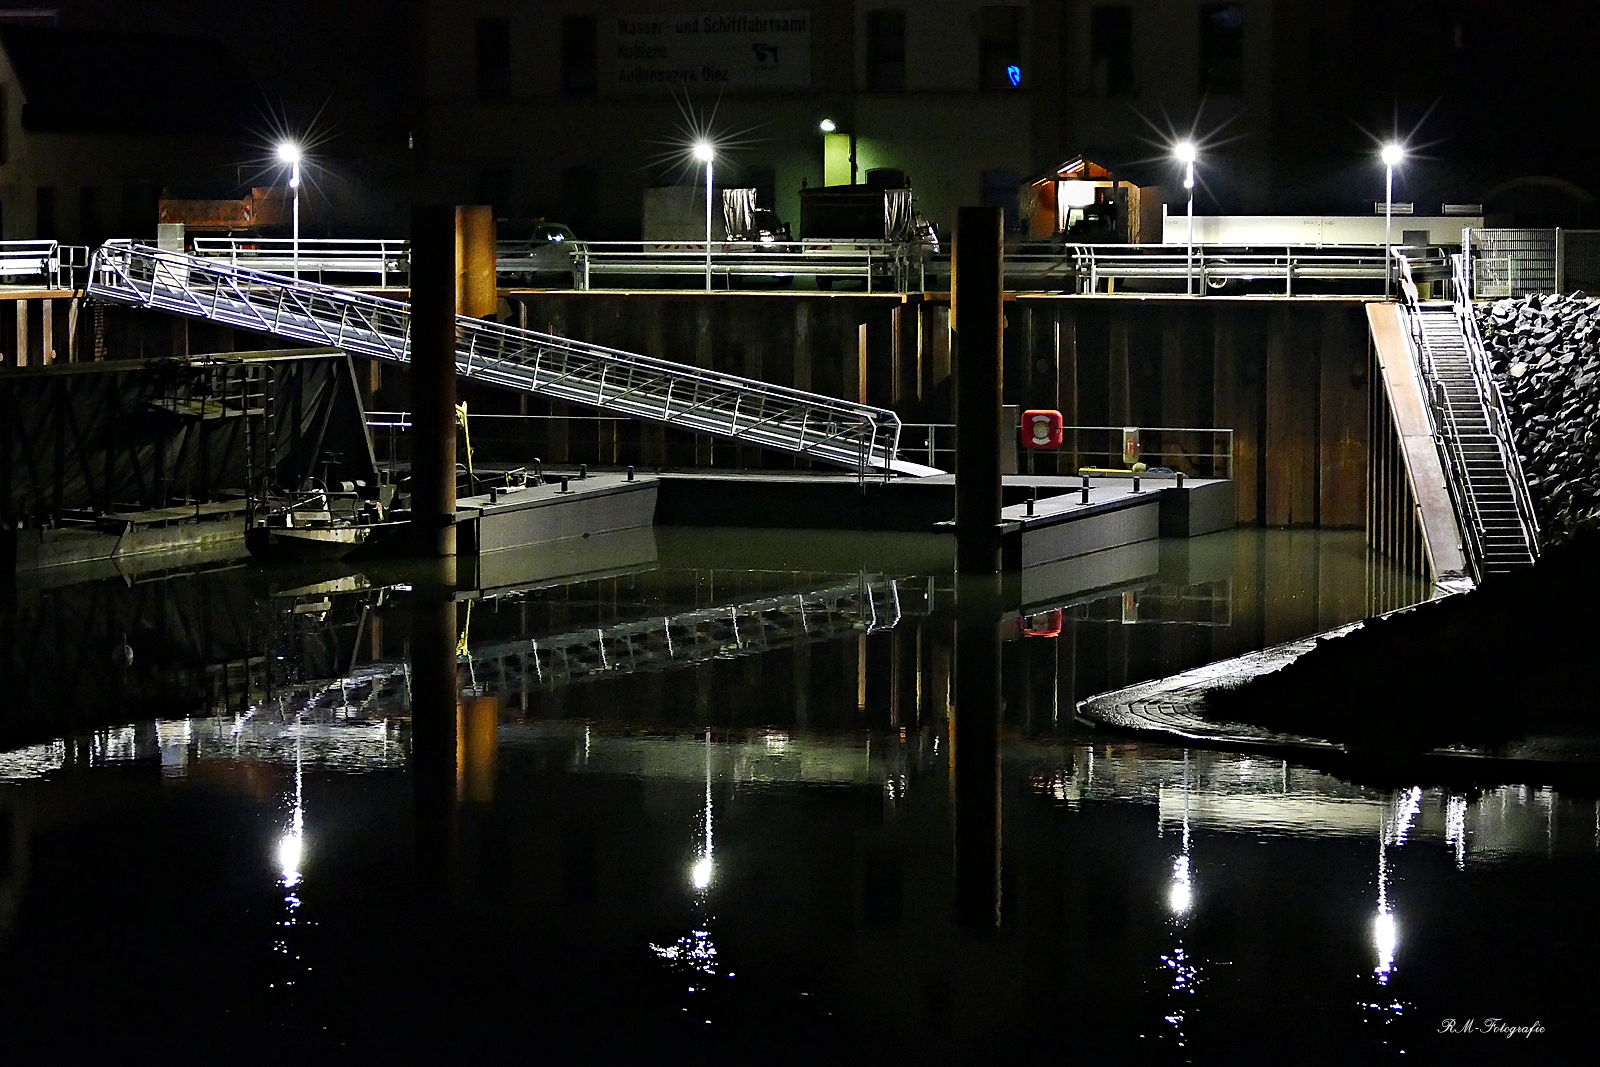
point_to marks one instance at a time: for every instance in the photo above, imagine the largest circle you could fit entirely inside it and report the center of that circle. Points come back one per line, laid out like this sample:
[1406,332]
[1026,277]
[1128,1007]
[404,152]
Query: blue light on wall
[1014,72]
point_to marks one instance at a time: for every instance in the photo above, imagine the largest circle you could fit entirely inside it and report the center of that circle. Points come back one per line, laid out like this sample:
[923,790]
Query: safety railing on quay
[312,257]
[1177,447]
[879,266]
[1215,267]
[876,266]
[45,263]
[855,436]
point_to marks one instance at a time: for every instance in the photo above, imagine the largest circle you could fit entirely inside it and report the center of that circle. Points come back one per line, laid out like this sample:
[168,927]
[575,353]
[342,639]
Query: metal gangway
[856,436]
[1485,474]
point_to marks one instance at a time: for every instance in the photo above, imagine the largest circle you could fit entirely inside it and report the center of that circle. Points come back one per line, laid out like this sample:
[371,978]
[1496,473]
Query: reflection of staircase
[1484,475]
[855,436]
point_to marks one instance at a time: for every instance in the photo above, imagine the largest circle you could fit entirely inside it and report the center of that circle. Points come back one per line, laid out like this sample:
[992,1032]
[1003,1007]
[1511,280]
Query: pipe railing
[389,260]
[1489,388]
[46,262]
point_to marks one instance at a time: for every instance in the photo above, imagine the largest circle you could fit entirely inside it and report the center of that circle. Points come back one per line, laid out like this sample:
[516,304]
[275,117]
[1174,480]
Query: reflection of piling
[434,275]
[475,749]
[977,772]
[976,326]
[434,734]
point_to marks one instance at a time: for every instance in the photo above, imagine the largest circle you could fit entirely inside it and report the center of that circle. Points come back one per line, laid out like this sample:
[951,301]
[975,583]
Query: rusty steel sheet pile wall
[1290,376]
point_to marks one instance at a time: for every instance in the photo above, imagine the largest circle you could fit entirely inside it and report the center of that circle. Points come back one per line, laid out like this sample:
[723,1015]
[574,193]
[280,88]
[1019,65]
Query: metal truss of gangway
[1486,481]
[856,436]
[868,604]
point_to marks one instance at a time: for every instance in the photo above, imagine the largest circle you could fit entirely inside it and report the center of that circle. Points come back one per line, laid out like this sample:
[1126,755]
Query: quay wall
[1288,374]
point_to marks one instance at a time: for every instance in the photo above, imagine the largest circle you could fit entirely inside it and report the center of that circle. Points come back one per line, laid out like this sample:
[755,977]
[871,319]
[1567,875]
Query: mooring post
[434,275]
[976,768]
[976,328]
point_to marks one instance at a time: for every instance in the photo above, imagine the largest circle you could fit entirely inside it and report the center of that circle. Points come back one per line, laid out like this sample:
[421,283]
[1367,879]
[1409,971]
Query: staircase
[855,436]
[1485,475]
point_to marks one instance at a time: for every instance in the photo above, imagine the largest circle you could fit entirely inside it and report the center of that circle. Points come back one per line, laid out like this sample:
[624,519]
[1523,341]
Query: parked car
[544,254]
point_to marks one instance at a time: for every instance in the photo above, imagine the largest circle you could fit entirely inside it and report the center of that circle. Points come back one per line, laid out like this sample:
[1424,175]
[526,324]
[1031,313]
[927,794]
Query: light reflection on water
[765,791]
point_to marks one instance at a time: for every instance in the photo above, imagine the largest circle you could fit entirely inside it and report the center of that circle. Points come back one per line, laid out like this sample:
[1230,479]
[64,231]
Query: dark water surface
[701,805]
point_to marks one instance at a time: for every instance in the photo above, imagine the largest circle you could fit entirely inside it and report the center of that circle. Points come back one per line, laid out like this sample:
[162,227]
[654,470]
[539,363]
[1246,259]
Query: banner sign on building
[717,50]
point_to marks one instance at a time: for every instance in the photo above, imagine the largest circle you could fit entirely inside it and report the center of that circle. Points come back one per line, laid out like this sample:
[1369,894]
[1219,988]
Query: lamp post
[706,154]
[1391,155]
[1186,154]
[289,152]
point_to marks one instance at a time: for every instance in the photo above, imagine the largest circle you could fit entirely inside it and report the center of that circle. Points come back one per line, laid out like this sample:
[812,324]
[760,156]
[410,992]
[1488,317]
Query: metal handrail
[50,260]
[893,264]
[1489,388]
[700,400]
[1448,429]
[1448,434]
[932,431]
[310,255]
[1216,263]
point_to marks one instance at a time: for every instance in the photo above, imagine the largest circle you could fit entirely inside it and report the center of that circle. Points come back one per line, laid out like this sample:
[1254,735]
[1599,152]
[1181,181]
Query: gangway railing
[868,603]
[1485,475]
[389,262]
[851,435]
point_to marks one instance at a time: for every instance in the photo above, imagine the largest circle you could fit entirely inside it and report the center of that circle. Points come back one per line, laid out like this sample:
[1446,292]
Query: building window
[580,55]
[1000,47]
[1111,50]
[886,51]
[1222,48]
[493,57]
[44,214]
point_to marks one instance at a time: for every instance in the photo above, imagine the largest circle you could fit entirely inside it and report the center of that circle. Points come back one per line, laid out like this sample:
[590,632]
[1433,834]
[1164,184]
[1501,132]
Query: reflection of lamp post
[1186,154]
[1391,155]
[289,152]
[706,154]
[700,873]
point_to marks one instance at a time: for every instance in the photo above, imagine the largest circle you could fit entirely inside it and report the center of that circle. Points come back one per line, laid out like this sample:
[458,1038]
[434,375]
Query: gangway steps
[840,432]
[1478,460]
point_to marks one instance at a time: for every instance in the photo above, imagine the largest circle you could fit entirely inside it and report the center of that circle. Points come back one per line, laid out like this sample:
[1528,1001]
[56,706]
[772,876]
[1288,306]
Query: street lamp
[289,153]
[828,126]
[1390,155]
[706,154]
[1186,154]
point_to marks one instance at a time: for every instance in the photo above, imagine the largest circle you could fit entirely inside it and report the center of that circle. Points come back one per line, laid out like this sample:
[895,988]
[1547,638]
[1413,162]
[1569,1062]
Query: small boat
[302,542]
[315,525]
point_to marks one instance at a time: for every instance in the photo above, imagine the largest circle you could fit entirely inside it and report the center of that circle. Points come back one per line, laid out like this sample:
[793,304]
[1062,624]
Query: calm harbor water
[701,806]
